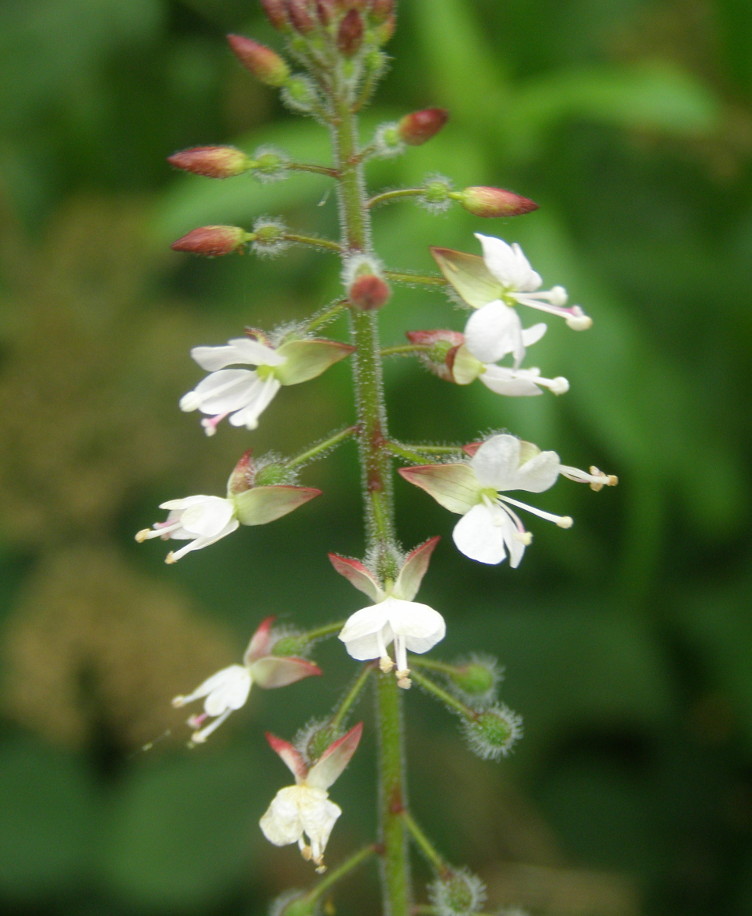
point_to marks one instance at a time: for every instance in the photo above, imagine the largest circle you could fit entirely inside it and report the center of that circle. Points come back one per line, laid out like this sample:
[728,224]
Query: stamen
[210,423]
[563,521]
[403,679]
[201,736]
[596,478]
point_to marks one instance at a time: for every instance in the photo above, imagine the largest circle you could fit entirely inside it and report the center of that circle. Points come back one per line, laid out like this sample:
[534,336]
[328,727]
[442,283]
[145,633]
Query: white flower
[201,520]
[494,285]
[225,691]
[521,284]
[228,689]
[241,394]
[512,381]
[395,617]
[298,813]
[302,813]
[408,624]
[489,527]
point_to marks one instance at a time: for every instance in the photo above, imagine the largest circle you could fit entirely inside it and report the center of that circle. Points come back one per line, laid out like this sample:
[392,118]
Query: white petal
[223,391]
[281,822]
[318,816]
[207,518]
[480,535]
[493,331]
[534,333]
[367,633]
[510,382]
[262,396]
[240,350]
[508,264]
[420,625]
[230,692]
[496,461]
[535,475]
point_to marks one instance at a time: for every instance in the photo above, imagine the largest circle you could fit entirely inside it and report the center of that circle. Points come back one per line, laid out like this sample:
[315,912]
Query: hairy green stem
[429,850]
[320,448]
[336,874]
[376,477]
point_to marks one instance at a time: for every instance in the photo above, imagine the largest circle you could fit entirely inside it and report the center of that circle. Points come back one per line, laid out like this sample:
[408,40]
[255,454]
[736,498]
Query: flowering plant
[338,47]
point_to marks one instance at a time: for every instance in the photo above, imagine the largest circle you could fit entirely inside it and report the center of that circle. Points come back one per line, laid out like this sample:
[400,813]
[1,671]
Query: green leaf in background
[48,805]
[183,829]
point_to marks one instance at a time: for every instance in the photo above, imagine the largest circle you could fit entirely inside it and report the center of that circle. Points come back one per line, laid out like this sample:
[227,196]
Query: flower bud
[294,903]
[325,11]
[489,202]
[300,94]
[266,65]
[419,126]
[350,33]
[368,292]
[439,359]
[269,164]
[381,10]
[275,13]
[291,644]
[491,734]
[212,241]
[458,893]
[268,237]
[476,678]
[316,737]
[300,16]
[211,161]
[437,194]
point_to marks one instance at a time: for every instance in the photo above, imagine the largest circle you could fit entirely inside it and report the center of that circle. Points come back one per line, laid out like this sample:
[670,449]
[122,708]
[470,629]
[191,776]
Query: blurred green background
[626,641]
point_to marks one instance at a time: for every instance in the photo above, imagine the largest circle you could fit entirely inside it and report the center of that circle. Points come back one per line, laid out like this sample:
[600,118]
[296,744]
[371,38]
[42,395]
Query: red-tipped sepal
[261,505]
[358,575]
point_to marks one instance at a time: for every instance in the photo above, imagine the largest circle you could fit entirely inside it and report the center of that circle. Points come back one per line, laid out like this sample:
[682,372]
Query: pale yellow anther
[403,679]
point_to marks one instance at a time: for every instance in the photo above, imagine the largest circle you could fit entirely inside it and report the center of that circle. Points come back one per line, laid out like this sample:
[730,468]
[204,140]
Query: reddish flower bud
[368,292]
[211,161]
[325,11]
[494,202]
[381,9]
[301,18]
[266,65]
[419,126]
[350,33]
[212,241]
[444,344]
[275,13]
